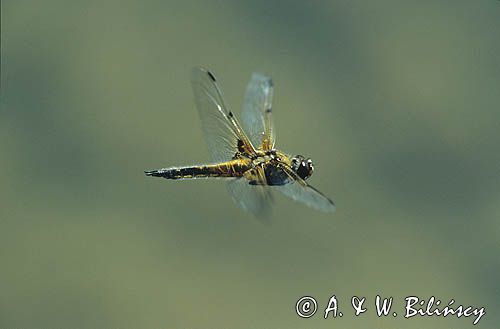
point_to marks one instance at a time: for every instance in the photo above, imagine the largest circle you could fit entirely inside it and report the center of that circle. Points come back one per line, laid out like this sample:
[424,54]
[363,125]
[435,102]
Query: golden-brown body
[263,169]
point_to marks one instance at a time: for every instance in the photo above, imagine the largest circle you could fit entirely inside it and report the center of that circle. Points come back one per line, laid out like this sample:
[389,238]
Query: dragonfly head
[302,167]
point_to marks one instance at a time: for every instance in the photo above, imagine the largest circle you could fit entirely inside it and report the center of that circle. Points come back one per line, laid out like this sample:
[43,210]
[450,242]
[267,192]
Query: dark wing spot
[230,114]
[269,110]
[241,146]
[211,76]
[271,83]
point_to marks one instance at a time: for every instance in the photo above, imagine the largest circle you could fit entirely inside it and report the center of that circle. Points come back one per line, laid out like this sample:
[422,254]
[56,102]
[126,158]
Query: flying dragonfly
[245,154]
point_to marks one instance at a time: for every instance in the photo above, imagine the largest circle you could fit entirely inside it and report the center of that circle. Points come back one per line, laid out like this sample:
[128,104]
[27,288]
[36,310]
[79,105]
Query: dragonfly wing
[298,190]
[256,199]
[257,111]
[222,131]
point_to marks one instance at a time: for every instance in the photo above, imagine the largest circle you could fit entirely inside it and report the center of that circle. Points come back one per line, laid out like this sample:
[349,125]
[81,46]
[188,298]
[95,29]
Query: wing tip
[330,208]
[197,70]
[262,77]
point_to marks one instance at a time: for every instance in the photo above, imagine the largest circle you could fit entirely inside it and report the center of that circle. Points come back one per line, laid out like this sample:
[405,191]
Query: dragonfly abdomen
[234,168]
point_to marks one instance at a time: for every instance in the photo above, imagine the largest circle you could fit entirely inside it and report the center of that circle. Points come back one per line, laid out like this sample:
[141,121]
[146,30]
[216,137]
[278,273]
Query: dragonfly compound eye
[310,166]
[301,166]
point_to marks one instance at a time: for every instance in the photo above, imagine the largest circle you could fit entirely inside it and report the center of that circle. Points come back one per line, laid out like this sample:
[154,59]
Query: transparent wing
[298,190]
[256,199]
[222,131]
[257,111]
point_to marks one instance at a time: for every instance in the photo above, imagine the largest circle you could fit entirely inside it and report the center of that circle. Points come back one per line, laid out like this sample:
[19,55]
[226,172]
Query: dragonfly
[244,153]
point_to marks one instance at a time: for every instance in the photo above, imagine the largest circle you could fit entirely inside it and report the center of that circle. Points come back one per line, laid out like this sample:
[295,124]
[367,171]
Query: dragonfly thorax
[262,159]
[264,156]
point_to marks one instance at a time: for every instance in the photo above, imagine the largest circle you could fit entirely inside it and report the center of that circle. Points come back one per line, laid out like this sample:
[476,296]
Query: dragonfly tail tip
[151,172]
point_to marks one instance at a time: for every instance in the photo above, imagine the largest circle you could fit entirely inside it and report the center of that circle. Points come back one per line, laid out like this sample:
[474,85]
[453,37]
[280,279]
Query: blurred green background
[398,104]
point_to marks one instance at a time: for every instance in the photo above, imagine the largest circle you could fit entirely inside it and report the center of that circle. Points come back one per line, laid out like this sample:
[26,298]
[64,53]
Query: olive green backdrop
[398,104]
